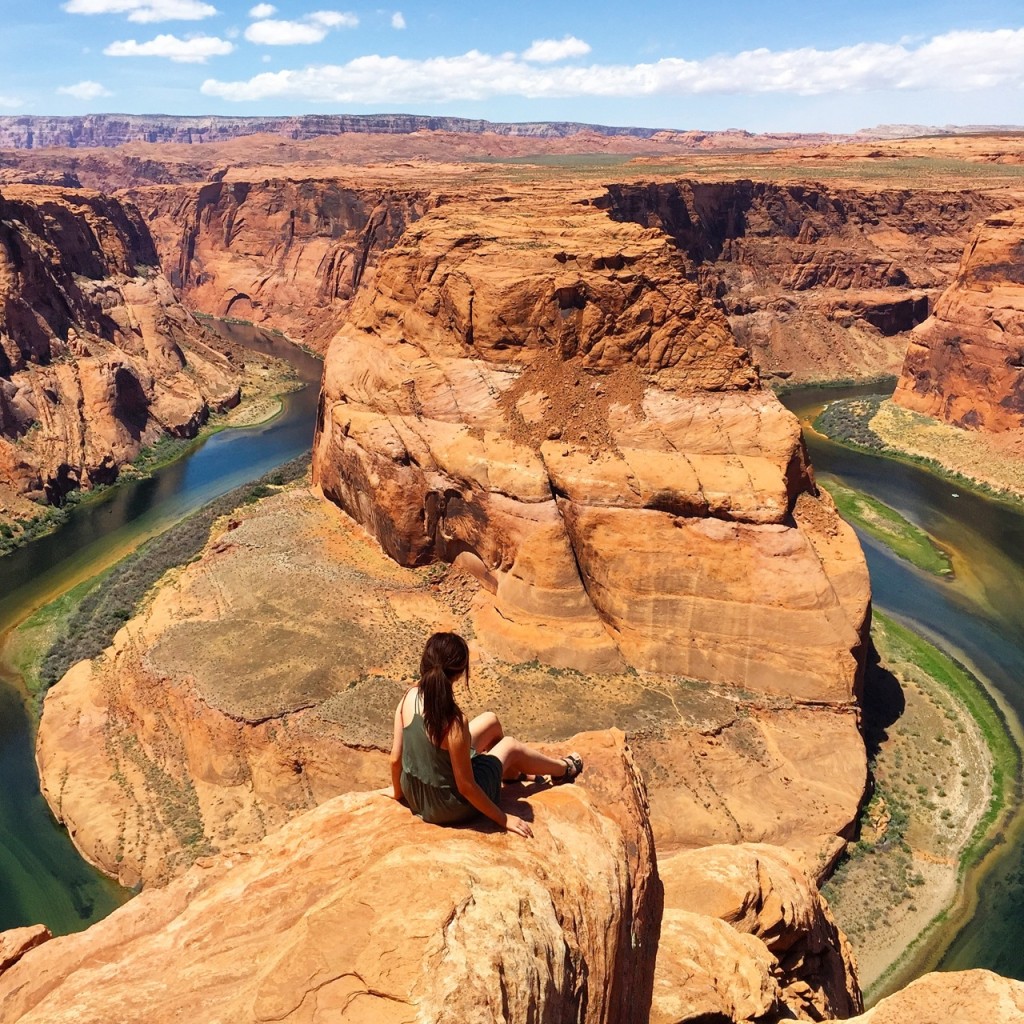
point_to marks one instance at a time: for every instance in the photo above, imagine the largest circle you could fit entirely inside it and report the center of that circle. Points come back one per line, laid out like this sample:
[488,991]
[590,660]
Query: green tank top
[428,780]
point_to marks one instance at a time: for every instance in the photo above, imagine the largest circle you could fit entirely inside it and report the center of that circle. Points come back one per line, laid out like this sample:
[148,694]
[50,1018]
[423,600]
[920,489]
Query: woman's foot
[573,766]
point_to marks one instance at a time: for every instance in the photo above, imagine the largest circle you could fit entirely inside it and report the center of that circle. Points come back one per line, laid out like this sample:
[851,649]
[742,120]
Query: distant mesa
[98,130]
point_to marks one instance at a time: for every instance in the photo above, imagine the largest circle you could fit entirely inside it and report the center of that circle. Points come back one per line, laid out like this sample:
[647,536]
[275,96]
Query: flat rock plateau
[544,423]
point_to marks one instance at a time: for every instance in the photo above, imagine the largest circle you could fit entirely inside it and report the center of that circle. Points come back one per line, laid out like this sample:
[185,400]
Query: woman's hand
[517,825]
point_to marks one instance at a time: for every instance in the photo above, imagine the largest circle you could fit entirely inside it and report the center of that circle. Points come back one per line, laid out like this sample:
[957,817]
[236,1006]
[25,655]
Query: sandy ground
[933,783]
[995,460]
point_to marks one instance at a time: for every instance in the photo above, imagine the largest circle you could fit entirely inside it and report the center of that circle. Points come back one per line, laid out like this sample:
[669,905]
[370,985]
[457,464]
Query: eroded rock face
[973,997]
[537,393]
[789,959]
[817,281]
[357,910]
[233,702]
[965,365]
[292,253]
[97,358]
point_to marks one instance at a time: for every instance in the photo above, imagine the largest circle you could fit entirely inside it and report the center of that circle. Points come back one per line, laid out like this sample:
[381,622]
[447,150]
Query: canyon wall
[97,357]
[537,393]
[965,365]
[291,253]
[817,281]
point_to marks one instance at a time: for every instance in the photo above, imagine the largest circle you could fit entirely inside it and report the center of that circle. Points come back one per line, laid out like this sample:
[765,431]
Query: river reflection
[42,877]
[978,617]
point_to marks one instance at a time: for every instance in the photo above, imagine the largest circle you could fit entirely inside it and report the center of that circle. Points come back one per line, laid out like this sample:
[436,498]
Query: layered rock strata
[965,365]
[819,282]
[538,394]
[359,911]
[747,936]
[97,358]
[293,252]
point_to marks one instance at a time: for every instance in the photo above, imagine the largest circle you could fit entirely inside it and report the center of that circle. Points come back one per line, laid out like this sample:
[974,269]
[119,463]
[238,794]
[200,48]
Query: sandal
[573,767]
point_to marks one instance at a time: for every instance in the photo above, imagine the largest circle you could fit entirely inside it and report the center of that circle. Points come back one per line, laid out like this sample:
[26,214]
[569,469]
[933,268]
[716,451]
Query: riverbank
[945,767]
[991,463]
[264,382]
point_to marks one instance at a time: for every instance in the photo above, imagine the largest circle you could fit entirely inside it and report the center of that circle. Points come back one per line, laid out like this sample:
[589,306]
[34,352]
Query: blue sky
[830,66]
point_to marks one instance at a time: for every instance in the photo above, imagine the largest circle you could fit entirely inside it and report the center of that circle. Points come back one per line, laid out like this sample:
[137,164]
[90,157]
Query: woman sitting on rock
[449,769]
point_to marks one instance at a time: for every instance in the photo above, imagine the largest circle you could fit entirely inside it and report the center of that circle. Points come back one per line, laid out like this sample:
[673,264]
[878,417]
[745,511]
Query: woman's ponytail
[445,658]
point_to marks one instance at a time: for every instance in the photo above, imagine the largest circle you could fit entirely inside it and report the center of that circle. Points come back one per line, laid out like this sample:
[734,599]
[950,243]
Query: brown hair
[445,658]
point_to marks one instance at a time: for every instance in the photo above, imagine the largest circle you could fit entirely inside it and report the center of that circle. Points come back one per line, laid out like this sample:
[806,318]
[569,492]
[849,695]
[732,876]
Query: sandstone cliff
[818,281]
[290,252]
[358,911]
[968,997]
[92,130]
[965,365]
[261,680]
[97,358]
[537,393]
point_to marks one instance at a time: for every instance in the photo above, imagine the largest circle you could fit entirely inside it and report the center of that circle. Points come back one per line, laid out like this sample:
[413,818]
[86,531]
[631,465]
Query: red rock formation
[965,365]
[536,392]
[817,281]
[234,701]
[359,910]
[793,962]
[289,252]
[96,356]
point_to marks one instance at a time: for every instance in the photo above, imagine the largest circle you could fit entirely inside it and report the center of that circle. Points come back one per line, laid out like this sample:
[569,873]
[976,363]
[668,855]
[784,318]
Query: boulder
[358,911]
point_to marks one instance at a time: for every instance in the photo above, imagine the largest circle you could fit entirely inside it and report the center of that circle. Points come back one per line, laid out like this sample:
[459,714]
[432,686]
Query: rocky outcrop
[751,908]
[289,252]
[537,393]
[261,680]
[965,365]
[358,910]
[970,997]
[818,281]
[97,358]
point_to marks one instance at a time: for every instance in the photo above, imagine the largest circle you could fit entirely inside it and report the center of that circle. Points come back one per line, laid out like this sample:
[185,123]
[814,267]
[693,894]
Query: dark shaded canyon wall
[97,357]
[291,253]
[817,281]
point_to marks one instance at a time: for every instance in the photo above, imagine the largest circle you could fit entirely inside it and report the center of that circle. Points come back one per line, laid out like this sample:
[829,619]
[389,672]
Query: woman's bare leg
[517,758]
[484,731]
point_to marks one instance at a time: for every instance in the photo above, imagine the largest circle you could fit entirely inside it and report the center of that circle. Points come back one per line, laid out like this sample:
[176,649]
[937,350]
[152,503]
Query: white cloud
[195,50]
[398,20]
[545,51]
[144,10]
[9,101]
[261,11]
[954,61]
[84,90]
[312,29]
[334,19]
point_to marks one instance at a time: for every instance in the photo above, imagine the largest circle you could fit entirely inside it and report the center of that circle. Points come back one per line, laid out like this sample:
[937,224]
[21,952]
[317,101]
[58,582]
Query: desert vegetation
[945,770]
[83,621]
[885,524]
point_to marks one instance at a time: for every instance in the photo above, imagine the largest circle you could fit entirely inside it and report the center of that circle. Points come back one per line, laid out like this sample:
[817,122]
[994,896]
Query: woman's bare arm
[458,750]
[396,754]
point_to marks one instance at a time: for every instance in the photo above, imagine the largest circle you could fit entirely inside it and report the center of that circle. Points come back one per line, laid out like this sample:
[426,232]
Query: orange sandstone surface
[965,365]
